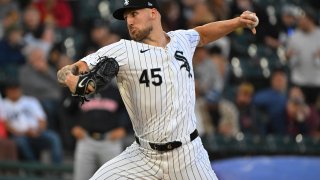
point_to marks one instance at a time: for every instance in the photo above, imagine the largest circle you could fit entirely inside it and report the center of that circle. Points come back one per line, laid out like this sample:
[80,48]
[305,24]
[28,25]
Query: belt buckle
[165,147]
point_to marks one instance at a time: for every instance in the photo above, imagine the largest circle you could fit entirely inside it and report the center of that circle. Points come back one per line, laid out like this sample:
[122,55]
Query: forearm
[74,69]
[215,30]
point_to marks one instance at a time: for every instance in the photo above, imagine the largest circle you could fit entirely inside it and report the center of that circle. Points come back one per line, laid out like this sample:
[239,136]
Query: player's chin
[136,38]
[133,35]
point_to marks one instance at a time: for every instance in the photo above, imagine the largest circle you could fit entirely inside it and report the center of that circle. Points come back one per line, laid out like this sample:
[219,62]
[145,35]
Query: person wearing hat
[26,123]
[155,77]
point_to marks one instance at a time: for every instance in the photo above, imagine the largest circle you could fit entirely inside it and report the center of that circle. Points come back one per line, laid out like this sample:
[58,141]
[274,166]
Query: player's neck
[157,38]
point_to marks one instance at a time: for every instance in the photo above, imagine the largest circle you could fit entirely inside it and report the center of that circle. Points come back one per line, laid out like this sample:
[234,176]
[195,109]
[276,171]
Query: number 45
[144,78]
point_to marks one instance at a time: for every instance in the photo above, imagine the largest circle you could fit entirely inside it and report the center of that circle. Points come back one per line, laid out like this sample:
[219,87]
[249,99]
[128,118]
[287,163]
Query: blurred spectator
[270,105]
[36,33]
[31,19]
[11,47]
[243,101]
[266,32]
[289,17]
[207,76]
[9,15]
[304,56]
[219,8]
[86,12]
[172,15]
[214,112]
[8,150]
[11,56]
[301,118]
[99,131]
[55,12]
[7,6]
[12,18]
[39,80]
[298,113]
[223,114]
[54,56]
[26,122]
[221,46]
[101,34]
[3,131]
[204,125]
[200,15]
[220,60]
[57,57]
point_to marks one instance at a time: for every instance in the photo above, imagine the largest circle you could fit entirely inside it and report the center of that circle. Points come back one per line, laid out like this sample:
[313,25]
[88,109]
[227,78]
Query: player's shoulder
[115,47]
[183,32]
[125,43]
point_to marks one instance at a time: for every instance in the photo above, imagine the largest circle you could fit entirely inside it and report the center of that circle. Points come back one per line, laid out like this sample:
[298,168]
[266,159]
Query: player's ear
[153,13]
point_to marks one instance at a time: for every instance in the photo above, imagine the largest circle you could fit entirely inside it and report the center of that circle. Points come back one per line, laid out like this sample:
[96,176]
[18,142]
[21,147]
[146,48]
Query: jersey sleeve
[191,37]
[115,50]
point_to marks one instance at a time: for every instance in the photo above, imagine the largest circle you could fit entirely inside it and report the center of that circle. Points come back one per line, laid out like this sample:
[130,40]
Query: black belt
[169,145]
[97,135]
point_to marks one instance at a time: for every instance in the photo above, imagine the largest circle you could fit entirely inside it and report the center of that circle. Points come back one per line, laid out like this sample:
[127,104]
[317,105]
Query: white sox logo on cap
[126,2]
[134,4]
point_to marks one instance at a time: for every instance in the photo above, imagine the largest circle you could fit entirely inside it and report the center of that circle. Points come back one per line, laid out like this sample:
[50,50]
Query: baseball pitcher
[155,77]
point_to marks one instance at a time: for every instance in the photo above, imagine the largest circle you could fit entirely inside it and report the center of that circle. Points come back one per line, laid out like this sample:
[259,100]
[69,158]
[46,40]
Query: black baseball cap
[135,4]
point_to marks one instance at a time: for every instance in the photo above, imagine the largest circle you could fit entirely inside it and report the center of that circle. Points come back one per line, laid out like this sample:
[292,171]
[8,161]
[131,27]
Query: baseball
[256,22]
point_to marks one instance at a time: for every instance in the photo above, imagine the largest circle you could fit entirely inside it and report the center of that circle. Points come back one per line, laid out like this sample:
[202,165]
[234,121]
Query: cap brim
[118,14]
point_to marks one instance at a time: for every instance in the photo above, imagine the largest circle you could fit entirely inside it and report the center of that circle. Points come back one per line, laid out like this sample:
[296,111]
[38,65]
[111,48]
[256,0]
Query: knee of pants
[21,141]
[52,139]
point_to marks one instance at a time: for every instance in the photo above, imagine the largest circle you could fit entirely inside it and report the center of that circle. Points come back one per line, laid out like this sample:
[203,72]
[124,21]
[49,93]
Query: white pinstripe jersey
[156,84]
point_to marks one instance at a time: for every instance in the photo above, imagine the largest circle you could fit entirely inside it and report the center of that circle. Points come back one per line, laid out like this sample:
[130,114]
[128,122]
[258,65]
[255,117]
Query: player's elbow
[203,38]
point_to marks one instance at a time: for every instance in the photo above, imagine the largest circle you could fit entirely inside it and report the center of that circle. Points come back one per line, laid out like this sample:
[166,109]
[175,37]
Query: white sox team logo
[179,56]
[126,2]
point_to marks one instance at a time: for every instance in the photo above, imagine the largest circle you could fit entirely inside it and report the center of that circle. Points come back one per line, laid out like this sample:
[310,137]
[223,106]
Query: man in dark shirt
[99,131]
[270,105]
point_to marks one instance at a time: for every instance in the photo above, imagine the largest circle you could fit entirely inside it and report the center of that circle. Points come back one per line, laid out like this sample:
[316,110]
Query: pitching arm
[215,30]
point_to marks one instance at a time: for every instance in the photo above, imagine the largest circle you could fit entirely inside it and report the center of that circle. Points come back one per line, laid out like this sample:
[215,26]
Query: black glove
[98,77]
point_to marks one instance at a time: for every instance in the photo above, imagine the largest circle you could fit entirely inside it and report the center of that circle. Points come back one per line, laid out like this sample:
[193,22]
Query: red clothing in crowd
[59,10]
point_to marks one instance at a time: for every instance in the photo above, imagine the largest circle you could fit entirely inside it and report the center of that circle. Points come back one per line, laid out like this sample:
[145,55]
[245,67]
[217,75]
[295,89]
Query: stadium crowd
[260,84]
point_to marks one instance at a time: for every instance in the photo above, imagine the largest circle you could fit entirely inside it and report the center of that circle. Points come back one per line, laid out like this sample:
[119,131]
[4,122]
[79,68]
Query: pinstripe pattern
[189,162]
[157,87]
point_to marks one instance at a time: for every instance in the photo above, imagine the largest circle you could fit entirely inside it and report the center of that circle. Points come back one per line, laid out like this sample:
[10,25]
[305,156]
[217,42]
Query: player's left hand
[72,82]
[250,20]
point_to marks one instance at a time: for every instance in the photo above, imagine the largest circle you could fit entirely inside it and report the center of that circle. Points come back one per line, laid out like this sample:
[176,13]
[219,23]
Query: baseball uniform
[157,87]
